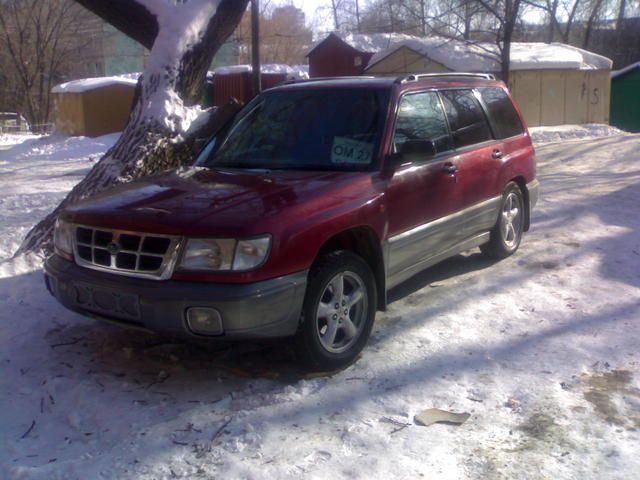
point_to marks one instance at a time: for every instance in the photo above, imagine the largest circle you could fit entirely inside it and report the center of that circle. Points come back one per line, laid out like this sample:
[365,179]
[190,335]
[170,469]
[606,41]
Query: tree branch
[128,16]
[197,61]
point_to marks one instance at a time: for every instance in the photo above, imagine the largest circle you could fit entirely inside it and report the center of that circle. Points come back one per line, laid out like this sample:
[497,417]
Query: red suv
[298,219]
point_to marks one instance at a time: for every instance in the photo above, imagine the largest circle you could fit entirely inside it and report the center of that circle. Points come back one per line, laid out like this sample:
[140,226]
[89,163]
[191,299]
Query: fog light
[204,321]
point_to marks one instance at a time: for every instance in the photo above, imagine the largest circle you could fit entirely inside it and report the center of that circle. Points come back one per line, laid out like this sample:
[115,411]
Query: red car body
[392,215]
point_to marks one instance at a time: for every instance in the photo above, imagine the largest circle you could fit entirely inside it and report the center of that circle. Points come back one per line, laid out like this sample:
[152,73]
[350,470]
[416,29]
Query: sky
[316,19]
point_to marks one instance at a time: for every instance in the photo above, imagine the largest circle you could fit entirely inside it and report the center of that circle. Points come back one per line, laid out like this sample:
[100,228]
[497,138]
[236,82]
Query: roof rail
[414,77]
[315,79]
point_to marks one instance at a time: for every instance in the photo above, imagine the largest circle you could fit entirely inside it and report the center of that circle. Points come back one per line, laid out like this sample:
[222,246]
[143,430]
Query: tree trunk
[512,10]
[595,13]
[164,123]
[468,14]
[567,33]
[334,9]
[553,10]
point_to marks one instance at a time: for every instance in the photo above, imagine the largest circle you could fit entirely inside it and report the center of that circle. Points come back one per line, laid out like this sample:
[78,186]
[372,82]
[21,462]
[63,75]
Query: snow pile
[11,139]
[47,168]
[458,55]
[560,133]
[88,84]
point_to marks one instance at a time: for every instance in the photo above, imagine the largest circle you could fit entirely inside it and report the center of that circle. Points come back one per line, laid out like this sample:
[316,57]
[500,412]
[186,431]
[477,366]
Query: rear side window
[466,118]
[504,118]
[420,117]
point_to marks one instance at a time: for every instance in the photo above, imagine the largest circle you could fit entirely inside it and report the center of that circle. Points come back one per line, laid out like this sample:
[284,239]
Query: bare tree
[165,120]
[506,14]
[561,16]
[346,15]
[37,39]
[594,16]
[284,36]
[335,8]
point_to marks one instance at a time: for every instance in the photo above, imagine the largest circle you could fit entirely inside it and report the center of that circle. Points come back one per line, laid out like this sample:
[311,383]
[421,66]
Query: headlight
[63,238]
[224,254]
[251,253]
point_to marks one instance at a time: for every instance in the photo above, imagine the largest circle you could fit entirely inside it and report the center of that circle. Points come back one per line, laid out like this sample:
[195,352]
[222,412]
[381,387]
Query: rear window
[466,118]
[504,118]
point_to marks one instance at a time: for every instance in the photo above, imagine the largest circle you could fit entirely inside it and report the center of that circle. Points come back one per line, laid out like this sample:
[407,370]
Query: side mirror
[418,149]
[412,151]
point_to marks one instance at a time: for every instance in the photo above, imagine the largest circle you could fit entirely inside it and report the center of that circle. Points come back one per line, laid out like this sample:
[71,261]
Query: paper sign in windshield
[345,150]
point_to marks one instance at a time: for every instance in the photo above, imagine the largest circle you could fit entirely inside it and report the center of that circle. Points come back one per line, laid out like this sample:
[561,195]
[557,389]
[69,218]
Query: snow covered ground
[561,133]
[541,349]
[8,140]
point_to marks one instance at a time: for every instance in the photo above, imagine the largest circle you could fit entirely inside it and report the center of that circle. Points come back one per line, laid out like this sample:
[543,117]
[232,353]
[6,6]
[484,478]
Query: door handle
[449,168]
[496,153]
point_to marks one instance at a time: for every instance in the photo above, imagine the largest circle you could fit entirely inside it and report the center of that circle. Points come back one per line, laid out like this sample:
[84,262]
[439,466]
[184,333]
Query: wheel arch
[364,242]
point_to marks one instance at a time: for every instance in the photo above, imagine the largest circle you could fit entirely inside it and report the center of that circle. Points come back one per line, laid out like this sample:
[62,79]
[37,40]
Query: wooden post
[255,46]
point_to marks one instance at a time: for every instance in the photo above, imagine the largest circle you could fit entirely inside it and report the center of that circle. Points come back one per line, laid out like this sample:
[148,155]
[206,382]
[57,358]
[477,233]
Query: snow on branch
[181,27]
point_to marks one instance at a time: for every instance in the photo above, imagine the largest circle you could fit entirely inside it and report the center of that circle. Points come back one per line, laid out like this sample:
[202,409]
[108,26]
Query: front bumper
[267,309]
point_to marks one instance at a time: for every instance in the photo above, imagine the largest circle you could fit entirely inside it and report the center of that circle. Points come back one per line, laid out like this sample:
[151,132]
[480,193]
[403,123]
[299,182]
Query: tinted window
[466,118]
[420,117]
[504,118]
[336,129]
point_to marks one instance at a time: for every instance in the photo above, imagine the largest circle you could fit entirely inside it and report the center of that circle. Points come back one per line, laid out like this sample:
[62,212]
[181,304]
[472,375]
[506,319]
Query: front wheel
[507,233]
[338,312]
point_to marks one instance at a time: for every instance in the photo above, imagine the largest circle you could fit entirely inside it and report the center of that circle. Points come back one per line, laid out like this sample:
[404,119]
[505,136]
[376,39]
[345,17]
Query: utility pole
[255,46]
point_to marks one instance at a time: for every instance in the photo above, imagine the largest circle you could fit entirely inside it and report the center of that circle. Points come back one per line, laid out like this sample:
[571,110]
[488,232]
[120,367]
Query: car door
[422,197]
[479,160]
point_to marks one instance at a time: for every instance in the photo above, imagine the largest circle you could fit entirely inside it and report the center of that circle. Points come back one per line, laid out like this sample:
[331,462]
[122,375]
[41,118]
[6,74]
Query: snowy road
[541,349]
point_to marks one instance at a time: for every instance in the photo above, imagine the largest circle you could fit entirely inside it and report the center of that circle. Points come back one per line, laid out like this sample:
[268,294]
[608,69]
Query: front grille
[126,253]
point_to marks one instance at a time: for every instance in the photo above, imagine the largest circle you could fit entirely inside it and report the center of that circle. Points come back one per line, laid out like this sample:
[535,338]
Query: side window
[504,118]
[466,119]
[420,117]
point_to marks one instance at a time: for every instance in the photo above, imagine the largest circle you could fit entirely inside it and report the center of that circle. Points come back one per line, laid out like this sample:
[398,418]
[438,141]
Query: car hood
[198,201]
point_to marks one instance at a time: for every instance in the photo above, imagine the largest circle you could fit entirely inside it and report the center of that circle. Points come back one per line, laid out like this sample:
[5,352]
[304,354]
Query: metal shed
[235,81]
[625,98]
[553,84]
[93,106]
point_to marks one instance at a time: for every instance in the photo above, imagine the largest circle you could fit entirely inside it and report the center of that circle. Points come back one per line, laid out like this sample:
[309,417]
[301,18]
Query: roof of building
[295,71]
[87,84]
[365,42]
[627,69]
[466,56]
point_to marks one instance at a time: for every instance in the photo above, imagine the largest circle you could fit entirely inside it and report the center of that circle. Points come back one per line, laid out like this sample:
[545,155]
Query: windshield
[308,129]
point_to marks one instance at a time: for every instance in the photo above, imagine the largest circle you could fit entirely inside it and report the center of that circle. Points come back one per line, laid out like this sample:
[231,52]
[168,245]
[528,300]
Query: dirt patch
[603,387]
[539,426]
[543,265]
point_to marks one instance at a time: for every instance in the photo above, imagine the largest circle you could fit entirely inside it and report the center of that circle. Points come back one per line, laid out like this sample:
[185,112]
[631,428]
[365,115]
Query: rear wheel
[338,312]
[506,235]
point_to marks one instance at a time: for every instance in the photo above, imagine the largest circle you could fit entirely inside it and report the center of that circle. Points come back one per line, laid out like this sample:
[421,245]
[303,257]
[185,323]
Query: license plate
[107,301]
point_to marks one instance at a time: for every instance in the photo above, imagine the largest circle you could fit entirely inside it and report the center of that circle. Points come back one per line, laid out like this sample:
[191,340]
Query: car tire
[338,311]
[506,234]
